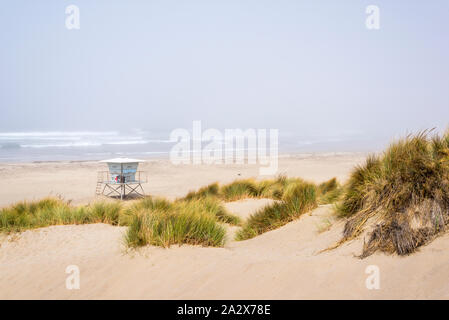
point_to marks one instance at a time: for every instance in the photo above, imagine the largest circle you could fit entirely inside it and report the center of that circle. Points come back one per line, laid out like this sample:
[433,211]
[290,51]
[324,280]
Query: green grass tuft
[239,189]
[298,198]
[405,191]
[195,221]
[215,207]
[204,192]
[329,191]
[106,212]
[165,228]
[51,211]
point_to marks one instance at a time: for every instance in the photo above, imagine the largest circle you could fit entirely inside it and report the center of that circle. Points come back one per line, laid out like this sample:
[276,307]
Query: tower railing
[135,177]
[121,185]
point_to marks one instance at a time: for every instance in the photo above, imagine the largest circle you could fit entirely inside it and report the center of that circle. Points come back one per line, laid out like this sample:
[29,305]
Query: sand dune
[282,264]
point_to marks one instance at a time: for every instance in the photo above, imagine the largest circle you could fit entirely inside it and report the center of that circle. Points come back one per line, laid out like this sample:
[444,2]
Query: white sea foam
[61,145]
[73,139]
[55,134]
[82,145]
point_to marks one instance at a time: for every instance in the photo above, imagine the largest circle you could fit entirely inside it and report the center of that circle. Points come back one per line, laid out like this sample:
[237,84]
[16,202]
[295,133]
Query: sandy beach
[282,264]
[76,181]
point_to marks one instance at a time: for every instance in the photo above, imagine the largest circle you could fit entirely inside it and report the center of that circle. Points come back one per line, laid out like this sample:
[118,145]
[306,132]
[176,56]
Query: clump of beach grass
[298,198]
[185,222]
[153,203]
[53,211]
[27,215]
[215,207]
[208,204]
[106,212]
[244,188]
[194,221]
[239,189]
[274,188]
[329,192]
[207,191]
[402,195]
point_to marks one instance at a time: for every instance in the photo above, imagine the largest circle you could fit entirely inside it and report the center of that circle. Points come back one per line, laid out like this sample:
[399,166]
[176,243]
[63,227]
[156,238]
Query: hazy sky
[304,67]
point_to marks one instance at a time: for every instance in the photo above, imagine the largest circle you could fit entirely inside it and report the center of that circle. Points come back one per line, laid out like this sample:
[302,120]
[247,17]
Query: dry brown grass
[401,196]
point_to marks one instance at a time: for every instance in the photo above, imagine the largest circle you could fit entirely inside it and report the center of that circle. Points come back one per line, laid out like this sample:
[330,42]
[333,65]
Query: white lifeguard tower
[122,180]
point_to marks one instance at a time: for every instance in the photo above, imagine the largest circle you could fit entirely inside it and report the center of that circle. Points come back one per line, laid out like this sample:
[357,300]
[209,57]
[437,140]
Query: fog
[304,67]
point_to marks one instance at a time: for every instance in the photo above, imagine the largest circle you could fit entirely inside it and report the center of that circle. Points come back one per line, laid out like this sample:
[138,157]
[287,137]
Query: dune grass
[402,194]
[298,198]
[215,207]
[207,191]
[250,188]
[293,194]
[194,219]
[239,189]
[106,212]
[329,192]
[146,203]
[244,188]
[181,222]
[208,204]
[53,211]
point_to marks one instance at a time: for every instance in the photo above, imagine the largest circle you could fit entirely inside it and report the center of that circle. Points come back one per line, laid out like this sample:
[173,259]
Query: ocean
[99,145]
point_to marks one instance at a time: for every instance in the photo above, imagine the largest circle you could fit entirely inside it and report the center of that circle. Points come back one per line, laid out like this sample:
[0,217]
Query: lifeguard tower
[122,180]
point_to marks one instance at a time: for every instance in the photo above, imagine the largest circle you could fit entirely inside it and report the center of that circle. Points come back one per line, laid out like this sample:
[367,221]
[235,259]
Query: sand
[282,264]
[77,180]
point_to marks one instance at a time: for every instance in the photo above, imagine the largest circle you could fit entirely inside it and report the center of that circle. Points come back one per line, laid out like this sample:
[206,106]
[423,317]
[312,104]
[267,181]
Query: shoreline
[298,155]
